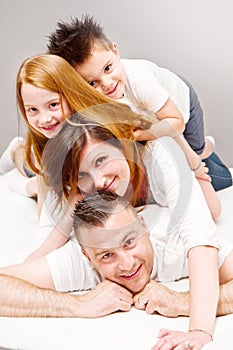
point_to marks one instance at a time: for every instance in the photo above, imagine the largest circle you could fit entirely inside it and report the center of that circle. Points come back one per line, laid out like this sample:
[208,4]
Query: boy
[84,45]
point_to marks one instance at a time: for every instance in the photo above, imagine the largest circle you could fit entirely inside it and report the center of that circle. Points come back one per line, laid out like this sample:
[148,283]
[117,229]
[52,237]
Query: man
[115,241]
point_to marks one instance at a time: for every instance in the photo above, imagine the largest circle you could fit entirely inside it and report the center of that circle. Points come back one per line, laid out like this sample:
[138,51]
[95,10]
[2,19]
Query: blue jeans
[219,173]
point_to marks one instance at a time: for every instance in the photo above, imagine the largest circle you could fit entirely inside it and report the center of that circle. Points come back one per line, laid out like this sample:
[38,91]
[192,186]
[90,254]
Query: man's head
[114,239]
[85,46]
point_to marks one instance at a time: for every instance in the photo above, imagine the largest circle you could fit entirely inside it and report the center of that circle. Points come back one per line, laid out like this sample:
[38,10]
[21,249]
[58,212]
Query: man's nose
[126,261]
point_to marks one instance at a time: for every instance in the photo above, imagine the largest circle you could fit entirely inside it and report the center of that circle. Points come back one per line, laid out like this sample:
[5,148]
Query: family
[107,138]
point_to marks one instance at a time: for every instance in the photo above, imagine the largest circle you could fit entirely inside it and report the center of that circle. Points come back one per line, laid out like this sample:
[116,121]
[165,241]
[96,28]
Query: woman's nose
[100,180]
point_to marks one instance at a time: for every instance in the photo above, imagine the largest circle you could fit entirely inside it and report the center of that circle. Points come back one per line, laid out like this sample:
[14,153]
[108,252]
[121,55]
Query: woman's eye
[81,176]
[100,161]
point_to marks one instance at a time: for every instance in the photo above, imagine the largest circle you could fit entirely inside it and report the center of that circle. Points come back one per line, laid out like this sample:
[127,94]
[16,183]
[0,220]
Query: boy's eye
[108,68]
[92,83]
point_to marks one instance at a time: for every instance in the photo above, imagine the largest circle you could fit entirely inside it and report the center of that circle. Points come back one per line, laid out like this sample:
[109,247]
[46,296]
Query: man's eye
[130,242]
[107,256]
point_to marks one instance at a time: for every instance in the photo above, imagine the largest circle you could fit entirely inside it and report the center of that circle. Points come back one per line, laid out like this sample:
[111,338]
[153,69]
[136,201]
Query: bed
[132,330]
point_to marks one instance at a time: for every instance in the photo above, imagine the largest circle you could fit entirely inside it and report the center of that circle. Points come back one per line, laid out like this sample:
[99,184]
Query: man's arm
[19,298]
[155,297]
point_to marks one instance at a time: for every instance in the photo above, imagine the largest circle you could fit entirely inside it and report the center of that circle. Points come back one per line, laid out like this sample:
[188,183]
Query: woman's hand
[169,340]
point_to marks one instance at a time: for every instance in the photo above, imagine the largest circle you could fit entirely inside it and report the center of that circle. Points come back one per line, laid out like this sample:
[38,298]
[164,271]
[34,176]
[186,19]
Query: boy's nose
[106,83]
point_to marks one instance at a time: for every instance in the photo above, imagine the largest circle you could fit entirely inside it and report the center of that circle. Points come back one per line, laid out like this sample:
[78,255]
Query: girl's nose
[45,118]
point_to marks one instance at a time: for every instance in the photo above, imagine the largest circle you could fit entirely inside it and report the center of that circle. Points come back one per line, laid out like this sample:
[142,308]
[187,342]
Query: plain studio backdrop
[193,38]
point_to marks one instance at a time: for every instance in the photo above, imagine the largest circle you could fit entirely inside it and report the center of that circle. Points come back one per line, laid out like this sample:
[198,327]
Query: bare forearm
[19,298]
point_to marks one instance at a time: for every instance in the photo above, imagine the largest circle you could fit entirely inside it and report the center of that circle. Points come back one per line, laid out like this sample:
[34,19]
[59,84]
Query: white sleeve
[173,185]
[143,85]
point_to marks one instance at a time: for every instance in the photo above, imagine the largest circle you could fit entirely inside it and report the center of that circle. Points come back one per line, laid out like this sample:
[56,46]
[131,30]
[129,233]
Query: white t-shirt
[151,86]
[179,221]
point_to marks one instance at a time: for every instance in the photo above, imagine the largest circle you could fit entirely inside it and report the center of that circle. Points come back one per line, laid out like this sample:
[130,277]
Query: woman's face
[44,109]
[103,166]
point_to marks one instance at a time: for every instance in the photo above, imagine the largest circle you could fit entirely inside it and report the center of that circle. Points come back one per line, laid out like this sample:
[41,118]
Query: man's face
[121,251]
[104,71]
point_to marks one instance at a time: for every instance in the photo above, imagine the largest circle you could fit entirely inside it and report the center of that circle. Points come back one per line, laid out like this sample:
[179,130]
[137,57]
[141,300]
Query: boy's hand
[143,135]
[202,172]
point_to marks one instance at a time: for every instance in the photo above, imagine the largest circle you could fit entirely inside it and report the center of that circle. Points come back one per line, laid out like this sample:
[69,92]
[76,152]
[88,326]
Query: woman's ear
[86,255]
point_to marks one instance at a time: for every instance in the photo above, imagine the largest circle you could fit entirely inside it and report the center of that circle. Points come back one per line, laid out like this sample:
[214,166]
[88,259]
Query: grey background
[191,37]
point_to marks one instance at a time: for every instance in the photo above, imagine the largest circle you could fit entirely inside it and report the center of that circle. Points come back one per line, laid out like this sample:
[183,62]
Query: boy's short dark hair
[75,40]
[96,209]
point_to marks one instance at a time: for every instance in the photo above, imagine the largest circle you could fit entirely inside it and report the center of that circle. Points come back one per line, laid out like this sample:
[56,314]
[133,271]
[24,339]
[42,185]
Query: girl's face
[103,166]
[44,109]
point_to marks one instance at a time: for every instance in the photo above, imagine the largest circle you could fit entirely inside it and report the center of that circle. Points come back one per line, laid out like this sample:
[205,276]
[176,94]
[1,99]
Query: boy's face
[104,71]
[121,251]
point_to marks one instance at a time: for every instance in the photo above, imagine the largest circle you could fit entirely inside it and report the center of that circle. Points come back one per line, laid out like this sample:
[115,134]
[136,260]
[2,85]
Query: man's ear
[115,50]
[86,255]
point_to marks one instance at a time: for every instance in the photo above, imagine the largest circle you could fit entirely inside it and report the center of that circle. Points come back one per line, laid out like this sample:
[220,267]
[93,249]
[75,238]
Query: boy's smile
[104,71]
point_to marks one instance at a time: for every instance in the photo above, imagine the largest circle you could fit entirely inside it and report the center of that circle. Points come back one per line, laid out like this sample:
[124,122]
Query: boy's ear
[115,50]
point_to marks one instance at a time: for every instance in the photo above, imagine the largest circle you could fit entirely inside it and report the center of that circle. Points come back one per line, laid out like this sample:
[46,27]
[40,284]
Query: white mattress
[132,330]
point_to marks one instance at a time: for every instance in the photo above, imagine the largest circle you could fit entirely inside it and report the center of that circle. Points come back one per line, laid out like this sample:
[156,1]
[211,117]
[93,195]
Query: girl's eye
[32,110]
[54,105]
[99,161]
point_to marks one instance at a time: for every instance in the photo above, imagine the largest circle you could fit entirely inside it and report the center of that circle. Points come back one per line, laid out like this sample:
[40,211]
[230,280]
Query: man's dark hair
[96,208]
[75,40]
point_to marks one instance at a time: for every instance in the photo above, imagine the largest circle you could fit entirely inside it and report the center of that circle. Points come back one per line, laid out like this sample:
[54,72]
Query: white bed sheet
[132,330]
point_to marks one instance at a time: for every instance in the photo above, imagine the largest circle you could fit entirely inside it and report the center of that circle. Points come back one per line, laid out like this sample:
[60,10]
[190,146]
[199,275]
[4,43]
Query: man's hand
[106,298]
[157,298]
